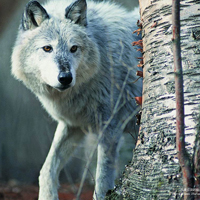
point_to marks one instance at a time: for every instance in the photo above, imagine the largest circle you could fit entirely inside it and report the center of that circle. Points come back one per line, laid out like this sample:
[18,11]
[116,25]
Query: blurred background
[26,130]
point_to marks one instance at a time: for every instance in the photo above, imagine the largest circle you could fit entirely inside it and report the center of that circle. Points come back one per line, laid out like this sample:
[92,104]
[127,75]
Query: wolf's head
[54,51]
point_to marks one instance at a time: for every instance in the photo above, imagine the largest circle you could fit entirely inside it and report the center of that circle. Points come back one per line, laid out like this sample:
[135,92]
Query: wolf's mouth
[62,87]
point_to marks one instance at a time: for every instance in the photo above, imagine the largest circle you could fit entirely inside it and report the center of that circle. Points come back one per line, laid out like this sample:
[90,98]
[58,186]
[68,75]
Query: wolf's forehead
[57,30]
[52,30]
[57,26]
[61,27]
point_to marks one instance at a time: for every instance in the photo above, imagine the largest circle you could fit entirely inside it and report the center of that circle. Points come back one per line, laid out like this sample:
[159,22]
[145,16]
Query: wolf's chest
[75,112]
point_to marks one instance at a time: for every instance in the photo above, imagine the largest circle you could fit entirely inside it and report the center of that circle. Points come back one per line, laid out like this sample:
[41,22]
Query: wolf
[77,58]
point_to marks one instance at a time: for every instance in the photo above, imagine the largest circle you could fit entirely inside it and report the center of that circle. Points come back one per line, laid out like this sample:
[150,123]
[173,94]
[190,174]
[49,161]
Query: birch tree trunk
[155,172]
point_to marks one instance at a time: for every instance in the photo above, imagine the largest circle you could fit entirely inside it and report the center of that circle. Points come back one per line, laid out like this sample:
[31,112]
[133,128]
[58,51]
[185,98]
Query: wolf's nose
[65,78]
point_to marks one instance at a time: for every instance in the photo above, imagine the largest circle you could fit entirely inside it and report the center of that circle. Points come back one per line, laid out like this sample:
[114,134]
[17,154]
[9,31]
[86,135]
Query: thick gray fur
[91,43]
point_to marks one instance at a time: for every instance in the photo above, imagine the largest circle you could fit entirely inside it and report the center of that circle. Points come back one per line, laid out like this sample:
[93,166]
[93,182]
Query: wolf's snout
[65,78]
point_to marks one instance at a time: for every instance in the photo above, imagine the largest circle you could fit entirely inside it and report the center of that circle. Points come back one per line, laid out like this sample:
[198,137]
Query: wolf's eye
[73,49]
[47,49]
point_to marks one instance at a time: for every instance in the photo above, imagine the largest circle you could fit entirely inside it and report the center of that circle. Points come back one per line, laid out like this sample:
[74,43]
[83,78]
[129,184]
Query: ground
[30,192]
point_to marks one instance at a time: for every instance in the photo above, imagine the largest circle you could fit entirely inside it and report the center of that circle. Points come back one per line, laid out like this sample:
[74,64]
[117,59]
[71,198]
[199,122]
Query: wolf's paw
[48,188]
[47,196]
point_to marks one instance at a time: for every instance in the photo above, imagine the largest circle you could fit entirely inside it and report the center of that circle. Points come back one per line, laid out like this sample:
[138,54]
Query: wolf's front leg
[107,154]
[64,143]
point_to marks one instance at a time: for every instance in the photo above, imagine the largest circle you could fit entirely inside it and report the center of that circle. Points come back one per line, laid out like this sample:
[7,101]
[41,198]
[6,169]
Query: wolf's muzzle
[65,78]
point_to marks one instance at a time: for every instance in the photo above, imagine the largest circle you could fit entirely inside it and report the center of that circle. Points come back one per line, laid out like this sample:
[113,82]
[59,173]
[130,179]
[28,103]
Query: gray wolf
[77,58]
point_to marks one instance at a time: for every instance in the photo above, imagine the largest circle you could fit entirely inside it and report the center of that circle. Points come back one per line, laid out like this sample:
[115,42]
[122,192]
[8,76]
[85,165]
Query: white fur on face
[49,71]
[73,71]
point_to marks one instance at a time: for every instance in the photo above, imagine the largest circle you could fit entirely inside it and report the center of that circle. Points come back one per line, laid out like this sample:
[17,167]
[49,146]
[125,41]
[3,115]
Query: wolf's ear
[33,16]
[77,12]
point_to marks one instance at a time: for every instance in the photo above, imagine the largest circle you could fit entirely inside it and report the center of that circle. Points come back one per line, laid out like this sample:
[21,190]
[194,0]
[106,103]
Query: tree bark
[155,172]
